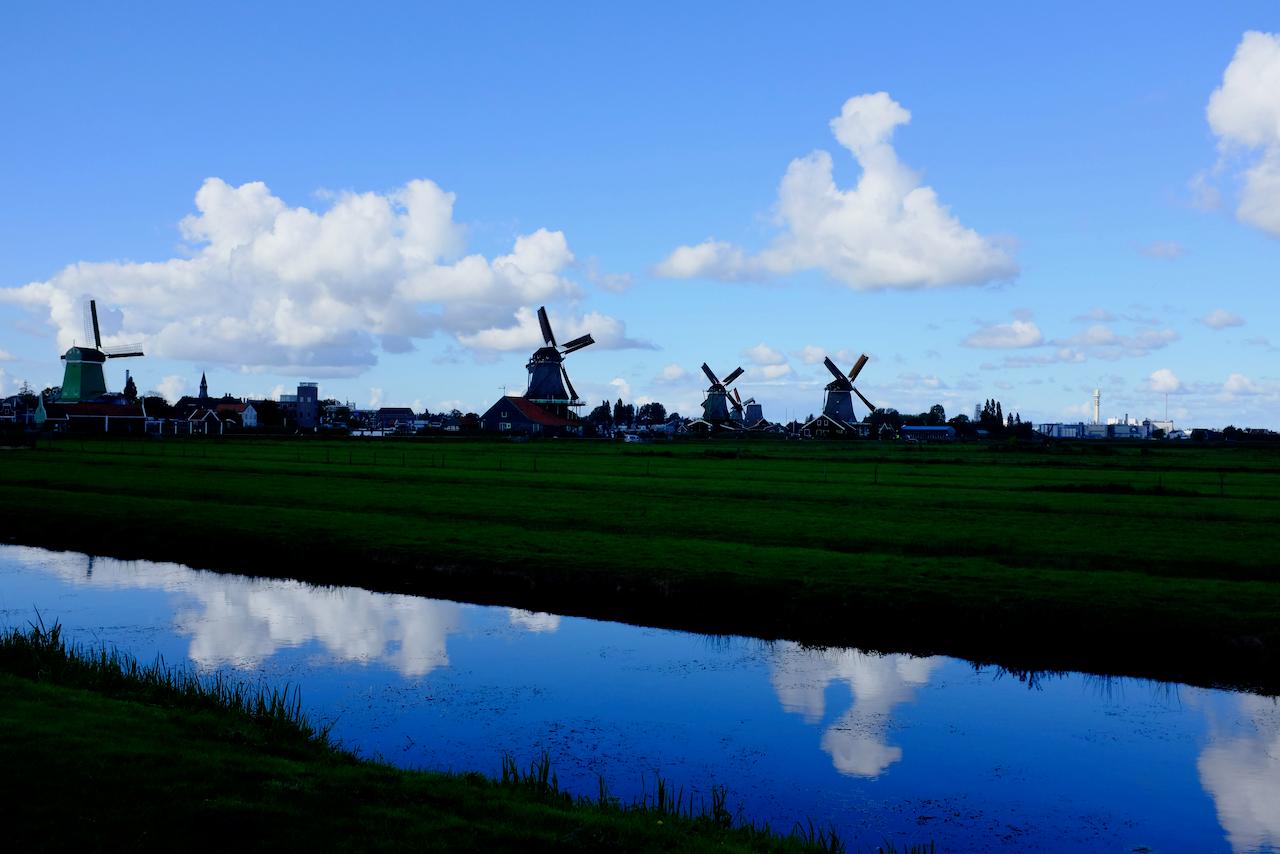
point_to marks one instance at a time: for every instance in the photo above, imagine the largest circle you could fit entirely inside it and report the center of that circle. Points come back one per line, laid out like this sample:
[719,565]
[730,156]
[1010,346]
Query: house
[204,421]
[92,417]
[518,416]
[827,427]
[239,412]
[392,417]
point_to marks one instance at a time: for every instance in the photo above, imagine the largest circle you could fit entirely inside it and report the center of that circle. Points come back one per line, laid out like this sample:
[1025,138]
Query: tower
[204,389]
[1097,406]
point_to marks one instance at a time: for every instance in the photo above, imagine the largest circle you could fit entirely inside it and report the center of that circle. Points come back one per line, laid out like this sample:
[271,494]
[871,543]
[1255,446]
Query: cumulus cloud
[5,356]
[1244,112]
[769,372]
[172,387]
[1164,381]
[763,354]
[672,373]
[1220,318]
[1239,384]
[621,387]
[889,231]
[1006,336]
[267,286]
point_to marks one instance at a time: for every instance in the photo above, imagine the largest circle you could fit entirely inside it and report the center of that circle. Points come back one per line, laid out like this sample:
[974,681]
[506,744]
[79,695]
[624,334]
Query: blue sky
[382,191]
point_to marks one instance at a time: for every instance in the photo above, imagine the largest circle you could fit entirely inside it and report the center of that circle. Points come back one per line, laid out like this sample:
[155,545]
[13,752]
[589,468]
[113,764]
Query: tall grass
[42,654]
[664,802]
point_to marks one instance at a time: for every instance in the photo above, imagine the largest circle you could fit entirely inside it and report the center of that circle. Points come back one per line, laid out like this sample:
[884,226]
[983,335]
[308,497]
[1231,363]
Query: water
[889,746]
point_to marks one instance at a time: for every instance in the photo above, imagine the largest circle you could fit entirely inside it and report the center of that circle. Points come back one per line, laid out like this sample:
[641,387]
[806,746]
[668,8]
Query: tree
[937,415]
[652,413]
[601,418]
[130,390]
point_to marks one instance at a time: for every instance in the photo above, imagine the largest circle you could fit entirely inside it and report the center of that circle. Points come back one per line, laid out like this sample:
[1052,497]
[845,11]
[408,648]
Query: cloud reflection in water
[1240,768]
[858,741]
[239,621]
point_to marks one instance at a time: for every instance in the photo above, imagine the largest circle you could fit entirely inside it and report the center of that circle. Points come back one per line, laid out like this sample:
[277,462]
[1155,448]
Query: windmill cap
[85,354]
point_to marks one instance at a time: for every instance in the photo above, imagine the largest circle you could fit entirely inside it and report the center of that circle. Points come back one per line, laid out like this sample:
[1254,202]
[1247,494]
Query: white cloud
[1166,249]
[1102,342]
[889,231]
[375,397]
[769,372]
[1220,318]
[1164,381]
[621,387]
[1239,384]
[1245,114]
[266,286]
[763,354]
[1001,336]
[6,356]
[673,372]
[811,355]
[172,387]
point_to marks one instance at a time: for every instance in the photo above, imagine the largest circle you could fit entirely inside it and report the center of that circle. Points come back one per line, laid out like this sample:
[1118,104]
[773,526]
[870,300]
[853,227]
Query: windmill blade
[122,351]
[573,395]
[831,366]
[93,312]
[736,404]
[546,326]
[88,325]
[578,344]
[709,374]
[737,372]
[737,396]
[857,368]
[863,398]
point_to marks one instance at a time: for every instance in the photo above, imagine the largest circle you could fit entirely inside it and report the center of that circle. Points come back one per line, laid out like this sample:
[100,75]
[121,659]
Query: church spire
[204,387]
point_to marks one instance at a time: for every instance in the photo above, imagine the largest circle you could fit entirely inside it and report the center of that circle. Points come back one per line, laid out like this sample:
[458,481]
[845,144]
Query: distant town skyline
[1008,202]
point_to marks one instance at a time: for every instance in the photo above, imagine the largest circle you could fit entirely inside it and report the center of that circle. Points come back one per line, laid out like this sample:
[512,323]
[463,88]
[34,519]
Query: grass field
[100,753]
[1152,560]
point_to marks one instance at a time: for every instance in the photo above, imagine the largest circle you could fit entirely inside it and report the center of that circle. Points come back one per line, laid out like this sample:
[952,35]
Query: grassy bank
[1157,561]
[101,753]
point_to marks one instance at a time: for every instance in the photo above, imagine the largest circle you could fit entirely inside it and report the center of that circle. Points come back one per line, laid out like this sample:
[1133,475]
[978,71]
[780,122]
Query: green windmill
[83,379]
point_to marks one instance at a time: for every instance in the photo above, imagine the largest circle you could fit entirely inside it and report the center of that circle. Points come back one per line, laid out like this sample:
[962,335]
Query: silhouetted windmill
[83,379]
[752,412]
[716,405]
[549,385]
[838,404]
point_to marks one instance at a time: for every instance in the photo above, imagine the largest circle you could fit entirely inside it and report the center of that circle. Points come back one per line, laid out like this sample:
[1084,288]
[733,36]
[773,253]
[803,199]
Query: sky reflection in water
[890,745]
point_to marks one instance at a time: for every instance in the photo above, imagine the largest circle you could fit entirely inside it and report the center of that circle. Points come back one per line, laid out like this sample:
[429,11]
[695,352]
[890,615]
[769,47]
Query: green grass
[100,752]
[1151,560]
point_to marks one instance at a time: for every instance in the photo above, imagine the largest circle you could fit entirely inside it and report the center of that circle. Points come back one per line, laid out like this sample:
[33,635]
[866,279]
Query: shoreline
[692,608]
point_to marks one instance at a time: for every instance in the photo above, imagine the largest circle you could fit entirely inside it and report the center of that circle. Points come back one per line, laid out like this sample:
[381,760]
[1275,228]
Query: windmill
[715,407]
[82,379]
[752,412]
[838,405]
[549,385]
